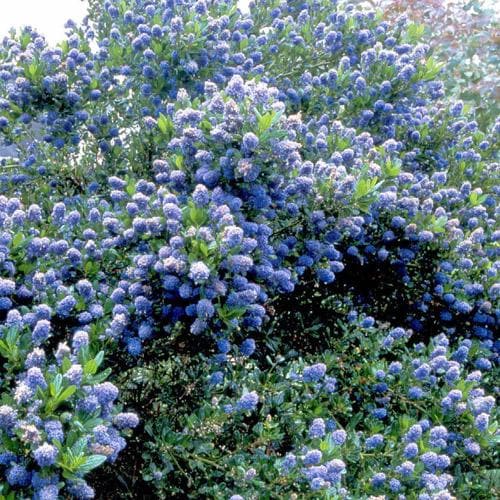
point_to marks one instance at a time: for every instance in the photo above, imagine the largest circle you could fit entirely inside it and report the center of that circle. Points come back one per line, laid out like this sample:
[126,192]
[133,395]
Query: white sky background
[47,16]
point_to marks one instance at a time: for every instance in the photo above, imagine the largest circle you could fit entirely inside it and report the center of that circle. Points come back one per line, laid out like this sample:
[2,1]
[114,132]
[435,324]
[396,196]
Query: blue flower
[395,368]
[232,236]
[314,373]
[471,447]
[481,422]
[205,309]
[379,413]
[41,331]
[325,275]
[415,392]
[17,475]
[201,195]
[248,402]
[199,272]
[7,287]
[378,480]
[126,420]
[236,88]
[224,346]
[45,455]
[247,347]
[54,430]
[80,339]
[374,441]
[81,489]
[250,142]
[367,322]
[65,306]
[317,428]
[483,364]
[438,436]
[395,485]
[406,468]
[422,372]
[8,417]
[216,378]
[429,459]
[288,462]
[312,457]
[35,378]
[338,437]
[106,392]
[134,346]
[411,450]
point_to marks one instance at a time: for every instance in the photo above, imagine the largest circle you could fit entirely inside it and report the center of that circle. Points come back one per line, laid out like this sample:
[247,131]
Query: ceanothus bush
[180,167]
[400,419]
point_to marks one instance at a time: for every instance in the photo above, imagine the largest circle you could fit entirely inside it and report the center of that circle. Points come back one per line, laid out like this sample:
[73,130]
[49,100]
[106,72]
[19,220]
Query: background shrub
[464,34]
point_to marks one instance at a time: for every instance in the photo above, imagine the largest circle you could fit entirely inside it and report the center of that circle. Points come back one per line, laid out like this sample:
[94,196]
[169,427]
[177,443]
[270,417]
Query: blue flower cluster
[58,412]
[412,452]
[419,446]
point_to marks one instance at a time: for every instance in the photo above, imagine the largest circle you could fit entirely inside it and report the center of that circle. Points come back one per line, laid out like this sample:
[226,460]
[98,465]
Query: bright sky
[47,16]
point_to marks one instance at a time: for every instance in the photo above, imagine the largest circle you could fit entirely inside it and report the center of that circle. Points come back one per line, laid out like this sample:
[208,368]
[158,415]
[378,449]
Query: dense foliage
[244,256]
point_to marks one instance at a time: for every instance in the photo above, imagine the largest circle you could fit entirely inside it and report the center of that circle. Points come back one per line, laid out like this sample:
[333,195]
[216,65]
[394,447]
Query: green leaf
[79,447]
[439,224]
[17,240]
[4,349]
[206,126]
[90,367]
[476,199]
[91,463]
[267,120]
[415,32]
[89,424]
[197,215]
[25,39]
[365,187]
[244,43]
[179,161]
[432,69]
[66,365]
[88,267]
[116,52]
[165,124]
[391,168]
[66,394]
[130,187]
[100,377]
[32,70]
[203,248]
[99,358]
[56,385]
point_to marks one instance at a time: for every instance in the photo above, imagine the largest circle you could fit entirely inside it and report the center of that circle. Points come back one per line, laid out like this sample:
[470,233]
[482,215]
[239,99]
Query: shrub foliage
[244,255]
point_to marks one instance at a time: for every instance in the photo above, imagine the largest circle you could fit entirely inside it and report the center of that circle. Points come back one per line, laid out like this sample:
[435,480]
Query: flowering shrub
[180,168]
[379,427]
